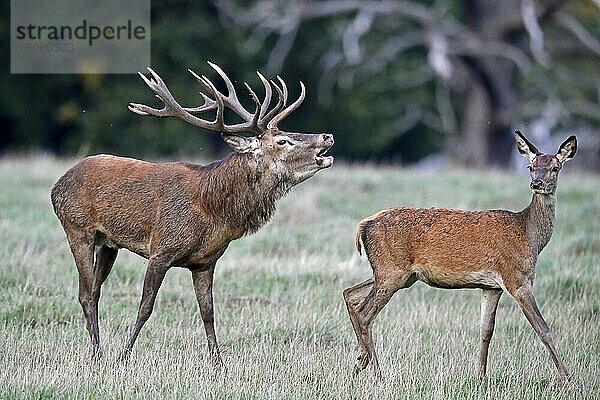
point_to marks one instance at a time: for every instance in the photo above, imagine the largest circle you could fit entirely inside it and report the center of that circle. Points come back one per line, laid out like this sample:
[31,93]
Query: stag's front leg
[203,280]
[489,304]
[155,274]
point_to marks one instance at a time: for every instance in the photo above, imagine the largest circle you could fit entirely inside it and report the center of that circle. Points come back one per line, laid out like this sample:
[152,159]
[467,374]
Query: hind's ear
[567,150]
[525,147]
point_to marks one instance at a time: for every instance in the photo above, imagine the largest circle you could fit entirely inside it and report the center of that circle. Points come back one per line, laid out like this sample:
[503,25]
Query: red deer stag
[180,214]
[494,250]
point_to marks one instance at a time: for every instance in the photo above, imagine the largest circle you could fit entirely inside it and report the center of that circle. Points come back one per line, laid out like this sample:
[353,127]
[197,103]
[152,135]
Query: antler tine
[267,100]
[209,104]
[284,88]
[256,116]
[219,121]
[278,107]
[160,90]
[172,108]
[289,109]
[257,122]
[250,125]
[231,99]
[200,80]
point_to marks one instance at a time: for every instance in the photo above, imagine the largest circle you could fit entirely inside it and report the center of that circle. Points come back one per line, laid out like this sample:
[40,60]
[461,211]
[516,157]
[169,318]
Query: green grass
[280,317]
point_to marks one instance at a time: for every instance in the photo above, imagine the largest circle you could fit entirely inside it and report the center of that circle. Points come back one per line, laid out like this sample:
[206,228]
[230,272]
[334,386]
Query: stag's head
[544,168]
[292,157]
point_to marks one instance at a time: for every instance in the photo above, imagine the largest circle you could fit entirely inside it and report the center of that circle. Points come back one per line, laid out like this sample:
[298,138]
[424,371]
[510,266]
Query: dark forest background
[397,81]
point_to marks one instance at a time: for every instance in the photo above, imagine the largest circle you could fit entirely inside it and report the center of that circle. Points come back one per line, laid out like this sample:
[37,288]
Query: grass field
[280,317]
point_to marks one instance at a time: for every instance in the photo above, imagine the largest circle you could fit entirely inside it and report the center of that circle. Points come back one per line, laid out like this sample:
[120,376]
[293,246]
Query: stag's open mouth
[322,160]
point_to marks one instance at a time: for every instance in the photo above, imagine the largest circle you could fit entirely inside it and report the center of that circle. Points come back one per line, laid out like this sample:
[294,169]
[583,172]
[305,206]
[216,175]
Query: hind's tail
[360,233]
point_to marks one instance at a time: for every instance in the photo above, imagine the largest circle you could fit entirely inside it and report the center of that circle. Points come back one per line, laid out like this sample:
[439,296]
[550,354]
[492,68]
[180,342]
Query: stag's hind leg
[81,243]
[105,259]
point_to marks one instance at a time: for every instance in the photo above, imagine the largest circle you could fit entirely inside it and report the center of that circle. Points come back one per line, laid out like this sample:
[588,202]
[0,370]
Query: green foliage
[85,114]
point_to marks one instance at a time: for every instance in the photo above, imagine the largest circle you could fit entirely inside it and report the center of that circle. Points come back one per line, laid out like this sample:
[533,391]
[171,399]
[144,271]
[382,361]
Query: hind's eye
[530,167]
[555,169]
[283,142]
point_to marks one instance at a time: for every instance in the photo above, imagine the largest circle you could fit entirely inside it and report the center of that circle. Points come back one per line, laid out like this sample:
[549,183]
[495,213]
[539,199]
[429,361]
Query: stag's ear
[525,147]
[567,150]
[241,144]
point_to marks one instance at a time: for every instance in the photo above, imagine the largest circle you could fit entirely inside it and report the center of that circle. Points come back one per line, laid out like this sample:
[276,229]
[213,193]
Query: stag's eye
[283,142]
[555,169]
[530,167]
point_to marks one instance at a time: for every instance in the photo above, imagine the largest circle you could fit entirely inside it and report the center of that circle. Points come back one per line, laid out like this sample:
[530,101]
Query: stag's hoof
[218,363]
[379,378]
[96,355]
[124,357]
[574,387]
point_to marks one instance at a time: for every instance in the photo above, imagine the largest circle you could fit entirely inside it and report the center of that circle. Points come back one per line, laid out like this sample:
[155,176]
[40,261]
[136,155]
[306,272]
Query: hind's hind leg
[381,292]
[354,296]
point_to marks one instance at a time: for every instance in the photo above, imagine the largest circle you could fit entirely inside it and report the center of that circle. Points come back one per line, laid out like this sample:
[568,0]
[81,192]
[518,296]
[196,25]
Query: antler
[258,122]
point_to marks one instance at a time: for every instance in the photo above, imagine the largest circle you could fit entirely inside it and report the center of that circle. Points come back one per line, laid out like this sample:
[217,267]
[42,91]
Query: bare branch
[411,117]
[470,44]
[438,54]
[445,110]
[391,49]
[584,108]
[408,9]
[536,35]
[282,49]
[588,40]
[355,31]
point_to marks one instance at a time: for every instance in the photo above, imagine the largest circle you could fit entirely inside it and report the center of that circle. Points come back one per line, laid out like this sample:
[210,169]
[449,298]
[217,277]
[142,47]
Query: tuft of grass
[280,317]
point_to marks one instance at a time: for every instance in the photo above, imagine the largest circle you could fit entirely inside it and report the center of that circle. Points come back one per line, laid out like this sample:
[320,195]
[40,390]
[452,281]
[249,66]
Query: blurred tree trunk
[470,145]
[489,93]
[453,76]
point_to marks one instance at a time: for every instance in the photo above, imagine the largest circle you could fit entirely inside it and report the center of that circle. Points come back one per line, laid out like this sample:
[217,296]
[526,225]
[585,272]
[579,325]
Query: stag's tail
[57,196]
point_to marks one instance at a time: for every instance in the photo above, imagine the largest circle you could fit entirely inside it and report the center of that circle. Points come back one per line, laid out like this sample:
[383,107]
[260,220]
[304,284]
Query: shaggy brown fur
[181,214]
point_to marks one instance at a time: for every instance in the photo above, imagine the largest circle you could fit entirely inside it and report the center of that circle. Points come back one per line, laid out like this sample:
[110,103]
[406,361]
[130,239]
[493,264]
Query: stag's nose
[536,184]
[327,137]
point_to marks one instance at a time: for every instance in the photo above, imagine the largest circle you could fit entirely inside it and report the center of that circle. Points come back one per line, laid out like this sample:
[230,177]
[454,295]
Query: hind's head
[544,168]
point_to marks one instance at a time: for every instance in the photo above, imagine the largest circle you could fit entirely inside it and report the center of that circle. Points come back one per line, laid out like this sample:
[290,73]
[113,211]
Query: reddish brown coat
[495,250]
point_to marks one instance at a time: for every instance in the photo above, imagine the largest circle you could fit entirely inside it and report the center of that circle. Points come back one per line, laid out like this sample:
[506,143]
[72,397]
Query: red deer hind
[180,214]
[493,250]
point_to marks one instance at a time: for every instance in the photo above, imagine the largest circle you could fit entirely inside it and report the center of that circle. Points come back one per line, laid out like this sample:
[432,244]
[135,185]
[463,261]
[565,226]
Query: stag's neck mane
[241,191]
